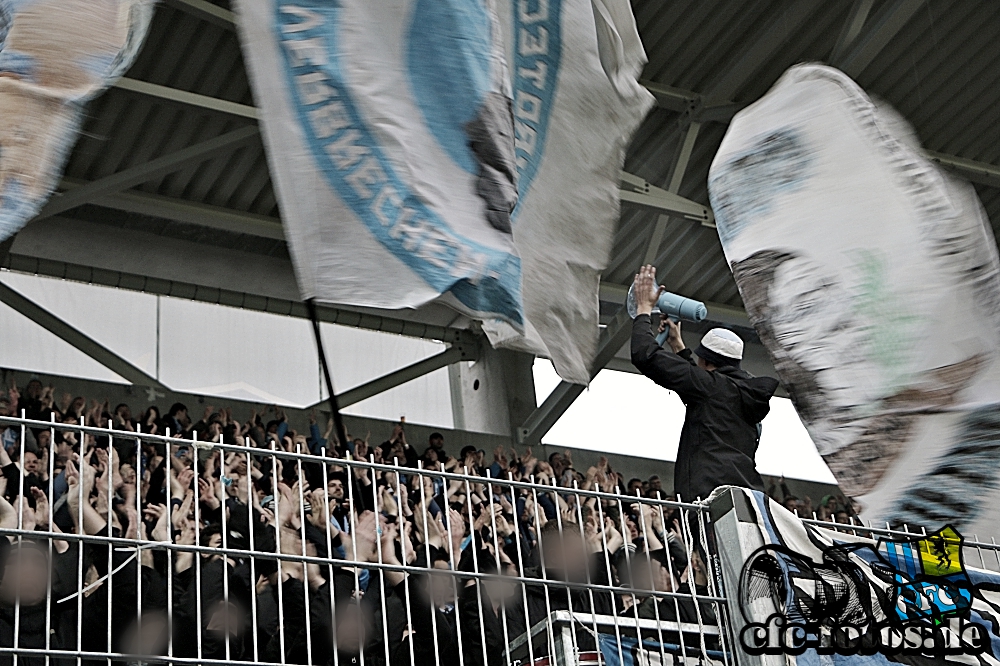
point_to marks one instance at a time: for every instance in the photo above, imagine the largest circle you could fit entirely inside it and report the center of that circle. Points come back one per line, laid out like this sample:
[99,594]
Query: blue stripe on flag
[890,553]
[765,517]
[911,564]
[538,54]
[349,155]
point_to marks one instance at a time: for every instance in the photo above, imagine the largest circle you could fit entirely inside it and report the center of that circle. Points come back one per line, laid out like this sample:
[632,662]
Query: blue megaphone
[670,305]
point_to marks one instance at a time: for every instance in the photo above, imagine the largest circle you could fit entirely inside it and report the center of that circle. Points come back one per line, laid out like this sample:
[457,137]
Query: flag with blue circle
[418,153]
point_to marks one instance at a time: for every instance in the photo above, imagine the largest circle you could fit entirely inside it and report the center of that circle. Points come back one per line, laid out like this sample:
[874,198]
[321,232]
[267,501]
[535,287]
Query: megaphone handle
[661,338]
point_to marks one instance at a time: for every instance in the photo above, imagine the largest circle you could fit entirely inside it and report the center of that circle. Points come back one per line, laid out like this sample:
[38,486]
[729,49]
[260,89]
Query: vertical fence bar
[197,542]
[644,529]
[541,561]
[481,592]
[51,527]
[348,462]
[520,569]
[20,538]
[277,543]
[329,551]
[406,579]
[381,572]
[168,463]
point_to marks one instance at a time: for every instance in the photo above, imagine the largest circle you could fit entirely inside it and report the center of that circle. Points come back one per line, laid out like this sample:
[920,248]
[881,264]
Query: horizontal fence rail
[119,546]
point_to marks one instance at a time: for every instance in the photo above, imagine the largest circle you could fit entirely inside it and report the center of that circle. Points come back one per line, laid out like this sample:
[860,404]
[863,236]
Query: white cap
[723,342]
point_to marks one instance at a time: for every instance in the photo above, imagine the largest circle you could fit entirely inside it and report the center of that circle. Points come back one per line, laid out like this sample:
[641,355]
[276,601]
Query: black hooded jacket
[719,439]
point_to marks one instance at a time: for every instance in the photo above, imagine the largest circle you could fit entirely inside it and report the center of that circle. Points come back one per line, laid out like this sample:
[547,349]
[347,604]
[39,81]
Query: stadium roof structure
[168,190]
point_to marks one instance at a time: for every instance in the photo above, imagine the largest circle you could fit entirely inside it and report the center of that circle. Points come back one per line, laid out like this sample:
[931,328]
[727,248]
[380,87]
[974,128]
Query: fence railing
[129,547]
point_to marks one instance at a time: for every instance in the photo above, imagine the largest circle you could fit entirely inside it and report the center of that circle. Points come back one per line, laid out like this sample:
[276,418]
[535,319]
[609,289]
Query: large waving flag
[872,278]
[55,55]
[461,150]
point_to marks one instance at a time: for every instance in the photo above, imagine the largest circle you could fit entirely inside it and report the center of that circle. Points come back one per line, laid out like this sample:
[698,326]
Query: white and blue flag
[466,151]
[872,278]
[55,56]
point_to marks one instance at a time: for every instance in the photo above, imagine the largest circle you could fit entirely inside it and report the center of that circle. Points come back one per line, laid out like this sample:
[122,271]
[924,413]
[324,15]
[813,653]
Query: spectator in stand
[176,421]
[635,487]
[436,443]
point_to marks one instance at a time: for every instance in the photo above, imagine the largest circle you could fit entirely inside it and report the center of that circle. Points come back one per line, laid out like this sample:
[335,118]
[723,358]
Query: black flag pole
[338,420]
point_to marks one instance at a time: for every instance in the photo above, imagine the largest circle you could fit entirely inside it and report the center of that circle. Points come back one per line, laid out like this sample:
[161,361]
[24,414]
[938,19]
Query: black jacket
[719,439]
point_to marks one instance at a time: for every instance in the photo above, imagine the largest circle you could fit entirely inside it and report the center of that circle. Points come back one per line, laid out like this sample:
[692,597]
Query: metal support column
[495,394]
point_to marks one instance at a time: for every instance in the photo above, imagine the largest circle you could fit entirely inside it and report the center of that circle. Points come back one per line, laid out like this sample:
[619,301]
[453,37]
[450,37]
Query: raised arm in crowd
[257,542]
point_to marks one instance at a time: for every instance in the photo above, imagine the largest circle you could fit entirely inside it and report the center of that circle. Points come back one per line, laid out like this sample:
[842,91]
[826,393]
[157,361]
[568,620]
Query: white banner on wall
[872,278]
[462,150]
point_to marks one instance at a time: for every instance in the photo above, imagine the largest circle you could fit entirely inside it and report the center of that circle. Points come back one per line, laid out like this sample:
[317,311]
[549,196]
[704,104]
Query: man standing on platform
[725,405]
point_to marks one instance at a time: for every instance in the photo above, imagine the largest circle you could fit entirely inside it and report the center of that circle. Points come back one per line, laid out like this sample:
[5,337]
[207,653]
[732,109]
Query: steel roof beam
[884,26]
[669,97]
[247,301]
[852,28]
[179,210]
[977,172]
[74,337]
[853,51]
[186,98]
[678,168]
[206,11]
[636,189]
[651,196]
[156,168]
[452,354]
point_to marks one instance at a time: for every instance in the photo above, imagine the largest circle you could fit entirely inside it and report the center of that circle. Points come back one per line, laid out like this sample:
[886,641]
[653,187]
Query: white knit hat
[721,342]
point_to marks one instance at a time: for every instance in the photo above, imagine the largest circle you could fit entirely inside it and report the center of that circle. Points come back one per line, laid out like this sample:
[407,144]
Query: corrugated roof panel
[941,70]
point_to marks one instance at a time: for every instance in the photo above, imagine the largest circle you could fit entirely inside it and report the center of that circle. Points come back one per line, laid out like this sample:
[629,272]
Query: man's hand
[41,508]
[206,493]
[674,335]
[647,292]
[8,516]
[157,513]
[367,533]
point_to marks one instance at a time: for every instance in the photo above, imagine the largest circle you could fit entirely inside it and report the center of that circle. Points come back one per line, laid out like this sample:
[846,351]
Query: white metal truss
[71,334]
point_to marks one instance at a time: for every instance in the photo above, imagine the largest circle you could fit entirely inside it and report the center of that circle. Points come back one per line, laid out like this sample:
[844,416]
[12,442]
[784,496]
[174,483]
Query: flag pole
[338,420]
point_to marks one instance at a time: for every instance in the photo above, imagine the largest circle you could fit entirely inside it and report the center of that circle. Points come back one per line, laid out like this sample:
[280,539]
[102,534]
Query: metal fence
[136,548]
[975,552]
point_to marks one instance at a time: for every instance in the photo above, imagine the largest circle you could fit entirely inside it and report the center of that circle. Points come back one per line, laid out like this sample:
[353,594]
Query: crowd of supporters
[384,562]
[832,508]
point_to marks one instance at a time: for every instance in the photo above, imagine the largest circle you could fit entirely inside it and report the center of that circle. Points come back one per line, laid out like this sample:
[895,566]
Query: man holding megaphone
[725,405]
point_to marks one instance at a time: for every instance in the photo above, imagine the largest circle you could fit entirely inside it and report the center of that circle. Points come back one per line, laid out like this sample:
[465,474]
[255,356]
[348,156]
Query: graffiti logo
[911,597]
